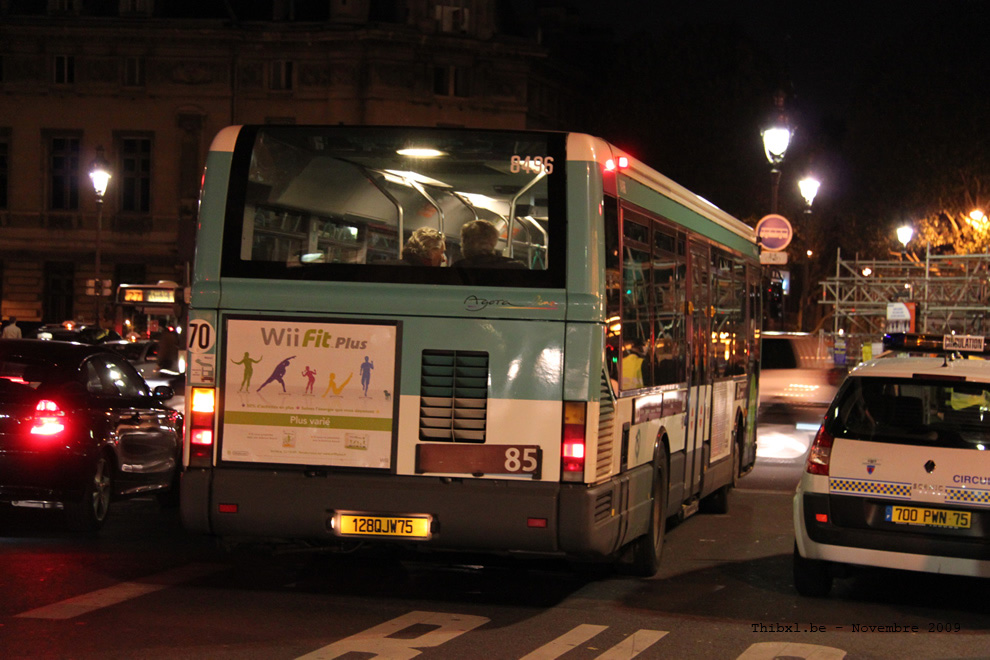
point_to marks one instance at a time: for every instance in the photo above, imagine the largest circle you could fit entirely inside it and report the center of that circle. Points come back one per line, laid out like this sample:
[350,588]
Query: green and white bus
[564,406]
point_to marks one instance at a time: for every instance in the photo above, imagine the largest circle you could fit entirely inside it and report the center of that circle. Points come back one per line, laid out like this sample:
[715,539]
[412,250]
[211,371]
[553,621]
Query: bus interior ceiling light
[421,152]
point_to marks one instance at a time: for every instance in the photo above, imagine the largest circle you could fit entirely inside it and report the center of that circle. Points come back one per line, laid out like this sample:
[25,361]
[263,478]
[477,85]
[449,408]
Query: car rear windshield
[913,411]
[22,376]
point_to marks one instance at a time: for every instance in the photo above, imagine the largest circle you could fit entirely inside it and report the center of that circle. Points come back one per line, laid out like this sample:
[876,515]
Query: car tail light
[49,419]
[572,449]
[820,454]
[202,410]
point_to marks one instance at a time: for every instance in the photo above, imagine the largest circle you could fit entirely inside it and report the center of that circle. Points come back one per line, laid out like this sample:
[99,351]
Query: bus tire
[647,549]
[718,502]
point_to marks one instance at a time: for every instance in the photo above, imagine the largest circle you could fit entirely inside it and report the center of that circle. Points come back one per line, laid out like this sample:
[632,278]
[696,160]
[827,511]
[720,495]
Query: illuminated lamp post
[775,141]
[905,234]
[809,188]
[99,173]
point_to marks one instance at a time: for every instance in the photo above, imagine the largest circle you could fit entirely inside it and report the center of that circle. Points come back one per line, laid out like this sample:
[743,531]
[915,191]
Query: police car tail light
[820,454]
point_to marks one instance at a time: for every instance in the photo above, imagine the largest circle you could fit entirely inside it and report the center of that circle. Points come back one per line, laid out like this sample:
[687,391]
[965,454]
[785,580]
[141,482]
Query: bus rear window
[379,204]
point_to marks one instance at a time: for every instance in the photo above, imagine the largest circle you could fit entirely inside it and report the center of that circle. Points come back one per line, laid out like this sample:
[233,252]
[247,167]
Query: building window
[450,80]
[135,175]
[65,69]
[130,274]
[56,7]
[136,7]
[134,72]
[64,173]
[452,19]
[58,291]
[280,76]
[4,166]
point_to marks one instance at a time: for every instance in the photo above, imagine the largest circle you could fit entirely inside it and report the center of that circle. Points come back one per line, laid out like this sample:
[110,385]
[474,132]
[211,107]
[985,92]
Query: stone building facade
[148,83]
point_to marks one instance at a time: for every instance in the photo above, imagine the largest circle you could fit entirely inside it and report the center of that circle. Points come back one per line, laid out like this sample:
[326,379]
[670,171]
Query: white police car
[899,472]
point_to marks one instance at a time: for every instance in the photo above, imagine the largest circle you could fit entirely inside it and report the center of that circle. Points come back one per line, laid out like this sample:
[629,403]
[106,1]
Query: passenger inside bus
[478,241]
[426,247]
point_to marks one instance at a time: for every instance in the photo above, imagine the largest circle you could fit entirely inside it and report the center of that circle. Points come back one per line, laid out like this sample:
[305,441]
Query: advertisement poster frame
[326,396]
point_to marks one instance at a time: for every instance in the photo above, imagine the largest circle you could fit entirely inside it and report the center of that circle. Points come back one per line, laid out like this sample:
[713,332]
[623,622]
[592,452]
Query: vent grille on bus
[606,420]
[603,506]
[453,404]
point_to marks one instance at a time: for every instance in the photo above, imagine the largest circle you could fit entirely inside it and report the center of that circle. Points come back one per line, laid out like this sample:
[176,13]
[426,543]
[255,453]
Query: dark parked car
[80,428]
[86,334]
[143,354]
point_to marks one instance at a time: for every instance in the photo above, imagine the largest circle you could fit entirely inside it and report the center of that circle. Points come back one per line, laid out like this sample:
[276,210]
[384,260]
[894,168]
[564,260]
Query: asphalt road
[145,588]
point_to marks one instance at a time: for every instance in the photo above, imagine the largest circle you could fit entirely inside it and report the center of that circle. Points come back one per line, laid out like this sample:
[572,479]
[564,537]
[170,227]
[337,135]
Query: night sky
[888,100]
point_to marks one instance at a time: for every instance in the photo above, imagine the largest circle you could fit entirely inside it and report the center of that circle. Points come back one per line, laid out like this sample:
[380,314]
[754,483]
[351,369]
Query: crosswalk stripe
[95,600]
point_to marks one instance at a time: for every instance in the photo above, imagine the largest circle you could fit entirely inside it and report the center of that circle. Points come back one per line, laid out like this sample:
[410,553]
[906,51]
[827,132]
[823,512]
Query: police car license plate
[358,524]
[911,515]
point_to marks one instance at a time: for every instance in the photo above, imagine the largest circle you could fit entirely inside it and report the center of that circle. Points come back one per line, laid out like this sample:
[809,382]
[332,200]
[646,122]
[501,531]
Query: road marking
[379,641]
[627,649]
[633,645]
[95,600]
[566,642]
[771,650]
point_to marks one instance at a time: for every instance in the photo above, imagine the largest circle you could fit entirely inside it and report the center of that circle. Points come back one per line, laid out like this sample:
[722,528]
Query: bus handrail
[512,208]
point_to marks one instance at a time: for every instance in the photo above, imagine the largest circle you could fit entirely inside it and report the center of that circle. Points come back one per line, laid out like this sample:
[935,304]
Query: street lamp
[775,141]
[809,188]
[905,234]
[99,173]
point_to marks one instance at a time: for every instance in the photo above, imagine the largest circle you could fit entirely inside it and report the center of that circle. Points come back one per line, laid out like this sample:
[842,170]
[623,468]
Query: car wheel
[647,549]
[811,576]
[89,513]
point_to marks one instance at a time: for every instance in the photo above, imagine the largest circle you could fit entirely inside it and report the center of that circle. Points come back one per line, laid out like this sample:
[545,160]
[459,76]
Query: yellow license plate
[356,524]
[911,515]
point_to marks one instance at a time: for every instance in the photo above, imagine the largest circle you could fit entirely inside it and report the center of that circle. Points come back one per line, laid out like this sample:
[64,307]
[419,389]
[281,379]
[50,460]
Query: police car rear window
[913,411]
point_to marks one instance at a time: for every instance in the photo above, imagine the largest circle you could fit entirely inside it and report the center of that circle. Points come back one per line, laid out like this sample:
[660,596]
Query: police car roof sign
[774,232]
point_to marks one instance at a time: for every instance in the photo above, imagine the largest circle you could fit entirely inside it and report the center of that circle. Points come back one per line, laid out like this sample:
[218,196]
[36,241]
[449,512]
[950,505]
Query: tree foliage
[952,233]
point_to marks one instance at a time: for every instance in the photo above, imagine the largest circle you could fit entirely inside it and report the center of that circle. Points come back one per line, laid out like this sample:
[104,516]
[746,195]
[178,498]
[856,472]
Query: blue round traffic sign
[774,232]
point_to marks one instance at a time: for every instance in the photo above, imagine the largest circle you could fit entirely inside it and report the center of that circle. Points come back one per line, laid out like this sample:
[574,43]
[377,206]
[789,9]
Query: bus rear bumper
[292,505]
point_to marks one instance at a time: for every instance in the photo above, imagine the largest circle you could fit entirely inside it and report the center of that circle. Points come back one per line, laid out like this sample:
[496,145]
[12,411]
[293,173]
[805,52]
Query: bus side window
[613,287]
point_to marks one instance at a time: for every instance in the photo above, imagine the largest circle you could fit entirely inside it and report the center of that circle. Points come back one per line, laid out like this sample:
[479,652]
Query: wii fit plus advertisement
[309,393]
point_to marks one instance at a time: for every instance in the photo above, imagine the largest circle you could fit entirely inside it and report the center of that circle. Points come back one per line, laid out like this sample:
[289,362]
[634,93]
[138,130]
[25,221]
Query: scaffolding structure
[950,294]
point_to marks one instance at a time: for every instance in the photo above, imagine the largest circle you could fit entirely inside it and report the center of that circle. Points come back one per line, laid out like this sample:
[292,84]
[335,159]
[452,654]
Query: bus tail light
[202,411]
[820,454]
[572,448]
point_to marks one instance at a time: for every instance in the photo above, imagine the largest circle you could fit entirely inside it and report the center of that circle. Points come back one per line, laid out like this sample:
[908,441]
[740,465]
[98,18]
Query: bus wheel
[718,502]
[647,549]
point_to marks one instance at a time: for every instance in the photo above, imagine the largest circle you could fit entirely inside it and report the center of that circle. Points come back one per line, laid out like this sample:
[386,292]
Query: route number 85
[524,460]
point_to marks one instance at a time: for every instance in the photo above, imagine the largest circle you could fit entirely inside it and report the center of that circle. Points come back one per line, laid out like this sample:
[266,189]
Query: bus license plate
[357,524]
[910,515]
